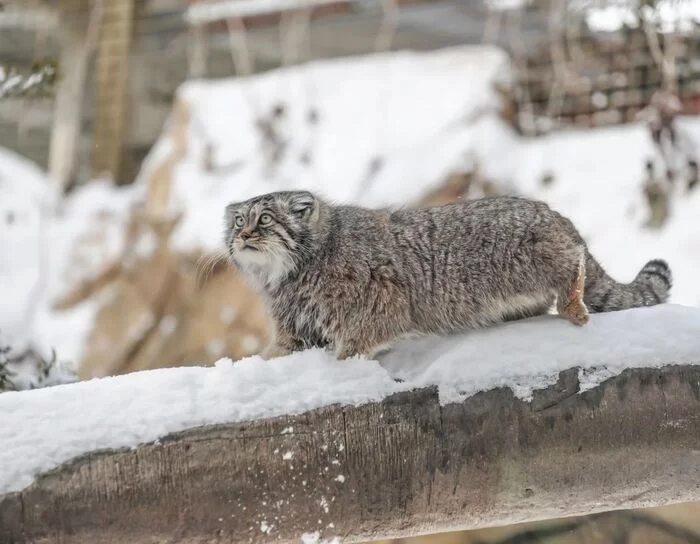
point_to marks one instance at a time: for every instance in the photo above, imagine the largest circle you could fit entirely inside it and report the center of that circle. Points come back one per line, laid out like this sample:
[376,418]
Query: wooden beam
[401,467]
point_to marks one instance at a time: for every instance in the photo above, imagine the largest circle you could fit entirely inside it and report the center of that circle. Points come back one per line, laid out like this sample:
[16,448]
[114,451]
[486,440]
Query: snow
[527,355]
[144,406]
[315,538]
[137,408]
[667,15]
[167,325]
[54,246]
[25,366]
[23,206]
[505,5]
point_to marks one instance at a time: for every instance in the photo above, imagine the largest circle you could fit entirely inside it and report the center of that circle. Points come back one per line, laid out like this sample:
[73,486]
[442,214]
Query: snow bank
[528,355]
[38,239]
[30,368]
[25,199]
[128,410]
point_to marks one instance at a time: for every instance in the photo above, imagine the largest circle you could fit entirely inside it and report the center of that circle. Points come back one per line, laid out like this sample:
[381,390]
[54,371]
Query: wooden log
[400,467]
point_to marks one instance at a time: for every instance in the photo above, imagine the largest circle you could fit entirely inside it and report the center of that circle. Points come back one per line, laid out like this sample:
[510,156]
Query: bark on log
[400,467]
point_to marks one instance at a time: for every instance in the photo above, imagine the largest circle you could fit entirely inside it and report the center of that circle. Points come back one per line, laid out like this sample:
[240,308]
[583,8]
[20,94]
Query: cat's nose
[245,234]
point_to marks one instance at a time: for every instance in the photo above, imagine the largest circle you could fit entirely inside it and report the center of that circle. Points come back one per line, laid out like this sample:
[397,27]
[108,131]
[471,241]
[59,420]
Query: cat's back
[502,217]
[364,237]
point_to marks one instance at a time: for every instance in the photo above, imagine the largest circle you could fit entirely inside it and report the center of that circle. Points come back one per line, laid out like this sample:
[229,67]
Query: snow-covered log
[530,420]
[403,466]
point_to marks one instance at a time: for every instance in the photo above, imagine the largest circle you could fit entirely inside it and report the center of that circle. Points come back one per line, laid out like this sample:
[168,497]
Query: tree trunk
[404,466]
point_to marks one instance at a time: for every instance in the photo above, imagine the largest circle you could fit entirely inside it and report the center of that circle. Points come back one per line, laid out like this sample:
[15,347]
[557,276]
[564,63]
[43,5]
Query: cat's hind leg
[570,298]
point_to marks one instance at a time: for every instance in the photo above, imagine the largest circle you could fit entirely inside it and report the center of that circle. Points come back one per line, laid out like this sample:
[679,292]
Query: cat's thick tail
[603,294]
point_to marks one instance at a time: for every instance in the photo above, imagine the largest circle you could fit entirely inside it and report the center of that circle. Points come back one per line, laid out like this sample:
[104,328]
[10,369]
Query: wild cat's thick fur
[356,280]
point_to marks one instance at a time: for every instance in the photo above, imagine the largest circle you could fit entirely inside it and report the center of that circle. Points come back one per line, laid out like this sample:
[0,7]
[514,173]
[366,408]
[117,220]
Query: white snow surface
[666,15]
[116,412]
[38,237]
[31,366]
[505,5]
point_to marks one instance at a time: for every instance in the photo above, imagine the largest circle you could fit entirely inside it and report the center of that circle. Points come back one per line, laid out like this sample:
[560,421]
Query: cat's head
[271,232]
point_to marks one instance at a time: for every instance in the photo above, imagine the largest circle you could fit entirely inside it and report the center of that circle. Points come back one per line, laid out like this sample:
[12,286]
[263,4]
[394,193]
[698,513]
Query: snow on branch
[667,16]
[507,5]
[31,368]
[39,81]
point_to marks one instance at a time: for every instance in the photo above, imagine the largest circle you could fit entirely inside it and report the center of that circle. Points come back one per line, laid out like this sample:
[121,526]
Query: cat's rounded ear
[232,210]
[229,215]
[303,205]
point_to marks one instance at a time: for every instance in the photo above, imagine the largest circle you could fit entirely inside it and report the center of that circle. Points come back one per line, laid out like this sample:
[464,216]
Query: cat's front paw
[273,351]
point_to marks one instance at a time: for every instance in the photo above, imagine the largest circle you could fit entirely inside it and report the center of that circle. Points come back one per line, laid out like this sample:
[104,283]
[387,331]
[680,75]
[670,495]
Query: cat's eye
[265,219]
[239,221]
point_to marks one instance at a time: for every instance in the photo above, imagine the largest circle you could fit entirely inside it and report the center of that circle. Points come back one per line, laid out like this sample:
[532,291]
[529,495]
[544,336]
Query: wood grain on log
[401,467]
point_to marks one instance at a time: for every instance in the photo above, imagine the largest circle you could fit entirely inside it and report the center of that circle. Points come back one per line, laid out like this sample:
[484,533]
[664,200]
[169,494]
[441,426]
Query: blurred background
[127,125]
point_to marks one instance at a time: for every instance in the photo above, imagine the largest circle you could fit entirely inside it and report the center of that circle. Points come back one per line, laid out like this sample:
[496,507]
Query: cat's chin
[250,256]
